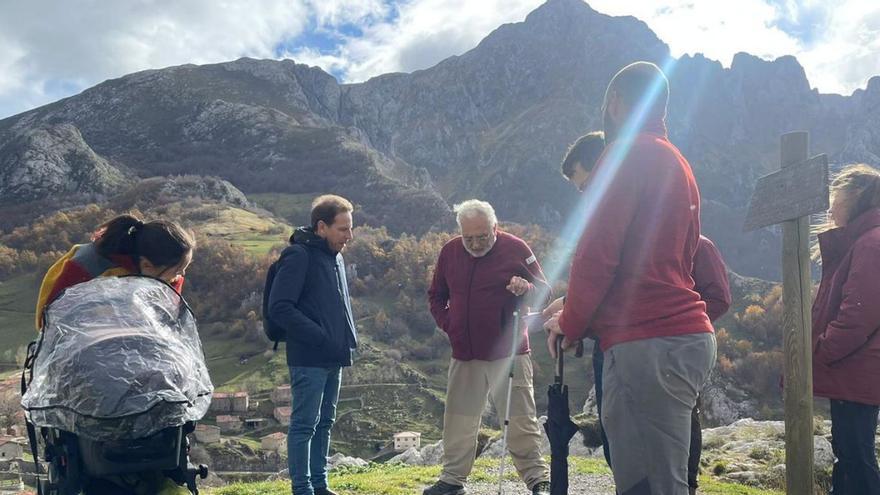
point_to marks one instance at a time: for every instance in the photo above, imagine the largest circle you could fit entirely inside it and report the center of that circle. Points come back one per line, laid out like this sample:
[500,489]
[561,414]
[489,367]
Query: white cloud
[339,12]
[718,30]
[73,44]
[423,33]
[848,53]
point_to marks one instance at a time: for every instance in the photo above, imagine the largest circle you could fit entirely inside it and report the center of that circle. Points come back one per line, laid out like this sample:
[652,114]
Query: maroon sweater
[470,302]
[710,279]
[631,273]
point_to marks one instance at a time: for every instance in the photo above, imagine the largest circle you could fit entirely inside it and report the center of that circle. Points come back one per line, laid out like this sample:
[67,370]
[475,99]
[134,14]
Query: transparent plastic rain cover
[118,358]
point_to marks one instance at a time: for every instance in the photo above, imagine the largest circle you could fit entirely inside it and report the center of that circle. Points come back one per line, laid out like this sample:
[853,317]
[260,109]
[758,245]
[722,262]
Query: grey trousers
[650,389]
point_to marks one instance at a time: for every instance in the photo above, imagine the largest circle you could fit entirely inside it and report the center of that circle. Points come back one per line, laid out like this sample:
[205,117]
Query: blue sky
[50,49]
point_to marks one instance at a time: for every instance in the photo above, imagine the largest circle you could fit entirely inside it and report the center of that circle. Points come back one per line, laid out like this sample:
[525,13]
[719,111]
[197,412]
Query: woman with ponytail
[846,320]
[124,245]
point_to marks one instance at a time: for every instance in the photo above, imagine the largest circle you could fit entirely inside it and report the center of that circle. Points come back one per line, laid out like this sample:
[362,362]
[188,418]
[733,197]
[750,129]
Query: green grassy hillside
[18,298]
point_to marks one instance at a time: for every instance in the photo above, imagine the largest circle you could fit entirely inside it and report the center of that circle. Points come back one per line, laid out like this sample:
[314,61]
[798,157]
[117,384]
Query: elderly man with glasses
[481,277]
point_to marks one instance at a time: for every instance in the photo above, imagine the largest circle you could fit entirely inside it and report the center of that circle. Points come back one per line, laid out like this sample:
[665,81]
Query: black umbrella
[559,427]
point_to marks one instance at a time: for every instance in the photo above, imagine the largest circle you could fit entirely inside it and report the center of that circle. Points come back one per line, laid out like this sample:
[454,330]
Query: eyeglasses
[476,238]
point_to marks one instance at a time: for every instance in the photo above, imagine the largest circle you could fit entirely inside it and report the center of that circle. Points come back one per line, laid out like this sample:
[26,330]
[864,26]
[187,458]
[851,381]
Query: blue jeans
[315,393]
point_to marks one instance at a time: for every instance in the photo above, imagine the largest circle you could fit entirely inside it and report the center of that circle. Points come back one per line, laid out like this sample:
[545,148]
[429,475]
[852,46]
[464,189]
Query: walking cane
[506,426]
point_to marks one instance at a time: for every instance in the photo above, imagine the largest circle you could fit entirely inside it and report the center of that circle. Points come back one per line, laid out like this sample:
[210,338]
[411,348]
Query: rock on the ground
[724,403]
[753,452]
[339,460]
[335,461]
[493,449]
[576,447]
[598,452]
[432,455]
[280,475]
[823,456]
[411,457]
[212,481]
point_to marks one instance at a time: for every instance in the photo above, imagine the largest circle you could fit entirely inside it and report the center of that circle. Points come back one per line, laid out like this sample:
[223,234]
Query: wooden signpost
[789,197]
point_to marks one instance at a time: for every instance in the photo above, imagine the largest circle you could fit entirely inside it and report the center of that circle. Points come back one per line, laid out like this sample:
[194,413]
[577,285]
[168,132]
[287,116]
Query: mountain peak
[562,7]
[785,69]
[873,85]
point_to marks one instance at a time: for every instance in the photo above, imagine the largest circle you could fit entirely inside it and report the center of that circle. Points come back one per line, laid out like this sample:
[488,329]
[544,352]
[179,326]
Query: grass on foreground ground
[384,479]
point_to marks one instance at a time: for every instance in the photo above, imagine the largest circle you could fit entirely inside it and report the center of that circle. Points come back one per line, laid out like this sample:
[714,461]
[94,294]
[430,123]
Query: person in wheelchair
[124,245]
[118,376]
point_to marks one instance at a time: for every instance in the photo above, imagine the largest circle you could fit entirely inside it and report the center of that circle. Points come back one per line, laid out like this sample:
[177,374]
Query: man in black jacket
[309,300]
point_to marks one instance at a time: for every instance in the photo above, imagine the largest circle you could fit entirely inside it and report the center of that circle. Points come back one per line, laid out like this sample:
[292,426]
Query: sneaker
[324,491]
[443,488]
[542,488]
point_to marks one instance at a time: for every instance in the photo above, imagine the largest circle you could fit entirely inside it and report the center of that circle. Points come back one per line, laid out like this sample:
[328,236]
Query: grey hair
[473,208]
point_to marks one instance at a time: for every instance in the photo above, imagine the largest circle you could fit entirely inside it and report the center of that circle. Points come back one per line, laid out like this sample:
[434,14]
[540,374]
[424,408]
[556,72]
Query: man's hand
[518,286]
[554,307]
[554,332]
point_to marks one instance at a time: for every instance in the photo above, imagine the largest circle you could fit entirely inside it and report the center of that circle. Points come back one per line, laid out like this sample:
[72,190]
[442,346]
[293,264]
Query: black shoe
[542,488]
[324,491]
[443,488]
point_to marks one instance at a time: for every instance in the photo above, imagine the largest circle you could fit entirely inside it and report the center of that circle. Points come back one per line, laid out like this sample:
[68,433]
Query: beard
[480,253]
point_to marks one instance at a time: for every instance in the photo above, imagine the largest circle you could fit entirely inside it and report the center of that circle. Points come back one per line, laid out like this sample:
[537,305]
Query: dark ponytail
[161,242]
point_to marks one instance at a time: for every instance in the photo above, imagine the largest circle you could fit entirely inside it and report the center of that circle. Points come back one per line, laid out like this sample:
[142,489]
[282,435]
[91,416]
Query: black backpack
[274,332]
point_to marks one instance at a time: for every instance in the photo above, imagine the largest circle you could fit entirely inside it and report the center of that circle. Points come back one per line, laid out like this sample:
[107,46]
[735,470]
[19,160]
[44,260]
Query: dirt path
[582,484]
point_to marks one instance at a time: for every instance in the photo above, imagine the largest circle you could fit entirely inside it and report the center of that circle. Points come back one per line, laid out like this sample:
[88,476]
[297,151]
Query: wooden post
[788,197]
[797,335]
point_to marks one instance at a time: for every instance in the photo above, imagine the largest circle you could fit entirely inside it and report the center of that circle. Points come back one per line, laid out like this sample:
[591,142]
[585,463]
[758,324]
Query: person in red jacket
[631,285]
[846,320]
[710,279]
[481,278]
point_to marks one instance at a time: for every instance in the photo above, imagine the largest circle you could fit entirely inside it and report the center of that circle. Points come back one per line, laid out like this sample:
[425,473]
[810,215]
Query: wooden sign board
[793,192]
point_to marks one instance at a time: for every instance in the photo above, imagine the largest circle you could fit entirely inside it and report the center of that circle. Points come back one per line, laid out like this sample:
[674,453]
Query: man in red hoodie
[631,286]
[481,278]
[710,282]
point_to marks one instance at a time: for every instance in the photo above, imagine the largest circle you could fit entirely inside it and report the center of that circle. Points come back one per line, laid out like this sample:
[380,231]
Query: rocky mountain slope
[492,123]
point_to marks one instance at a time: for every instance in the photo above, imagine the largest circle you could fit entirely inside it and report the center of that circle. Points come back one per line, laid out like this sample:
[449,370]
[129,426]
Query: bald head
[640,85]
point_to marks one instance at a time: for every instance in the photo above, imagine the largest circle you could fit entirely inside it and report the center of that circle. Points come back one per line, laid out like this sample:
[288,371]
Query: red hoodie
[631,273]
[470,301]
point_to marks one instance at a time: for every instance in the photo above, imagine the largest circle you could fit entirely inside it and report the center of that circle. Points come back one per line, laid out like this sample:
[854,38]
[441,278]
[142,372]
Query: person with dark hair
[125,245]
[309,300]
[631,285]
[710,281]
[581,158]
[846,319]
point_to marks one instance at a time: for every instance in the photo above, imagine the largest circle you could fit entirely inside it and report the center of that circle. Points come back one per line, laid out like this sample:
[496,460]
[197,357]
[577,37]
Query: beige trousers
[470,383]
